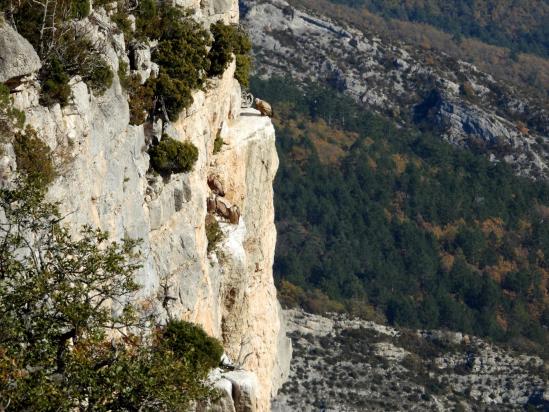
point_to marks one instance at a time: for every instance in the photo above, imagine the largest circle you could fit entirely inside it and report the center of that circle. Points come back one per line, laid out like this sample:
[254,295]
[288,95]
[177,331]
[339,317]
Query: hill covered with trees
[394,223]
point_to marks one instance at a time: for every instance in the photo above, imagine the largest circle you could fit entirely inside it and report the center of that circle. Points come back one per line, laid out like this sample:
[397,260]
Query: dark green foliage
[64,52]
[175,93]
[123,76]
[191,342]
[171,156]
[243,69]
[120,18]
[100,77]
[229,40]
[80,8]
[79,56]
[148,21]
[183,57]
[518,282]
[218,144]
[213,232]
[181,54]
[221,53]
[140,98]
[59,347]
[421,241]
[34,158]
[55,86]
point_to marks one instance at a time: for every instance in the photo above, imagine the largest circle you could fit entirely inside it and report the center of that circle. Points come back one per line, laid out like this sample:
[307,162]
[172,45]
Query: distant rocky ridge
[341,364]
[467,107]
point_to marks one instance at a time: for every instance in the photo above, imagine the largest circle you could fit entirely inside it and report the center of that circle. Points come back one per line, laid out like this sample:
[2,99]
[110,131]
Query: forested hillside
[518,25]
[391,223]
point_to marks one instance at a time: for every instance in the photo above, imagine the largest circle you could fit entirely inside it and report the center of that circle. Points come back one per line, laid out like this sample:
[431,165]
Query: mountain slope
[347,364]
[449,97]
[431,236]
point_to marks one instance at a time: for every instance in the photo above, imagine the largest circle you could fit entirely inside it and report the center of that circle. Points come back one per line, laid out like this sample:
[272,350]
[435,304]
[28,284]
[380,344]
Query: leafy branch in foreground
[71,339]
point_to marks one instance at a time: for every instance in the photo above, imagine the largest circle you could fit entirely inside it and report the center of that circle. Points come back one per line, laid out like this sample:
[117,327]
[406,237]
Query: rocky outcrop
[104,181]
[356,365]
[17,56]
[211,11]
[472,110]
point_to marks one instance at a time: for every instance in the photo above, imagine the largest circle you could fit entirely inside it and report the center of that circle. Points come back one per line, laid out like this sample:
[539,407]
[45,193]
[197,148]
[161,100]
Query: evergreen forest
[396,225]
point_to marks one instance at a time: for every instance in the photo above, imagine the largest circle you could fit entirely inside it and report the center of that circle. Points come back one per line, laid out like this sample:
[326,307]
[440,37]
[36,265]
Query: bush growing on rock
[221,53]
[141,97]
[123,76]
[34,158]
[120,18]
[174,93]
[182,52]
[242,49]
[229,40]
[182,55]
[100,77]
[55,84]
[65,49]
[190,342]
[80,8]
[148,21]
[213,232]
[218,144]
[10,117]
[243,69]
[171,156]
[59,349]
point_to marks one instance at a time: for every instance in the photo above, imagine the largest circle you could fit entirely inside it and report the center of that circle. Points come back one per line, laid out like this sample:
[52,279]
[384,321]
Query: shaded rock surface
[17,56]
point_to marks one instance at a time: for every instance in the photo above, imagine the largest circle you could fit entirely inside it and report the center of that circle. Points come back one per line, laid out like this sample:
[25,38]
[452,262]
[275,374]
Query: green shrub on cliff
[174,93]
[171,156]
[55,84]
[59,348]
[141,98]
[221,53]
[182,55]
[65,50]
[213,232]
[228,40]
[189,341]
[34,158]
[10,117]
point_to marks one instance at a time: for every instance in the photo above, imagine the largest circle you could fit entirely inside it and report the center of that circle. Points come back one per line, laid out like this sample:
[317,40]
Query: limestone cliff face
[104,181]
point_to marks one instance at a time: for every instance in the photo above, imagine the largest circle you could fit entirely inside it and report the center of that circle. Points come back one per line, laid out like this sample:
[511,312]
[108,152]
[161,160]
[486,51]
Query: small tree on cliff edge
[56,298]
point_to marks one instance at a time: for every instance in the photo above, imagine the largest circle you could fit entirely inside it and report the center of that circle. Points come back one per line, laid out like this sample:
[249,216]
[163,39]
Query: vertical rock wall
[104,181]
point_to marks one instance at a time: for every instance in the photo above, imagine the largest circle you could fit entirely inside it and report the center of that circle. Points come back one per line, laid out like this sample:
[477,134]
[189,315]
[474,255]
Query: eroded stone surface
[17,56]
